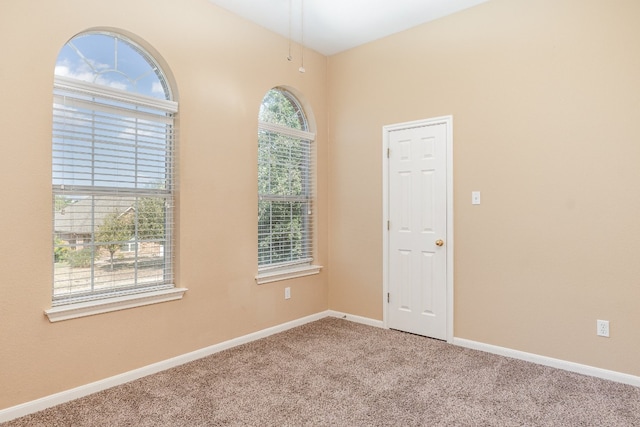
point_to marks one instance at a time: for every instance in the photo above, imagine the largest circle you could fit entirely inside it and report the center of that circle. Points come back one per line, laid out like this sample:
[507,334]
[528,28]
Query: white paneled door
[417,229]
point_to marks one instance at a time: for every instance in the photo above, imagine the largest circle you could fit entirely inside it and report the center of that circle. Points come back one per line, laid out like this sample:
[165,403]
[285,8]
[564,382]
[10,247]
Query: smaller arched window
[285,184]
[112,171]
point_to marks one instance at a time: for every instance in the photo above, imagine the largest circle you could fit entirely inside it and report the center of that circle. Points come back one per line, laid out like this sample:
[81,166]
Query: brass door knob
[439,242]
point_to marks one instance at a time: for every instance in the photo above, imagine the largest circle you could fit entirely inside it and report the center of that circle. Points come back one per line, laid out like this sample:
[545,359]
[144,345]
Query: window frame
[303,266]
[96,99]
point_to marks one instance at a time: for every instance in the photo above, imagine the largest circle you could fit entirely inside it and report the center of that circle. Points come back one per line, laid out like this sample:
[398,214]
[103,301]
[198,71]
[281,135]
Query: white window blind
[113,184]
[285,184]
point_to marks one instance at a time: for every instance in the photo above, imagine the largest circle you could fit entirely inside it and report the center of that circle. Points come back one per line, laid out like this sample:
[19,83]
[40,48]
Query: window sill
[106,305]
[288,273]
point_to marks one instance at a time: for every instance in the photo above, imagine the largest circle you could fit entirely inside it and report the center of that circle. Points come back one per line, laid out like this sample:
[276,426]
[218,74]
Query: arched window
[285,185]
[113,171]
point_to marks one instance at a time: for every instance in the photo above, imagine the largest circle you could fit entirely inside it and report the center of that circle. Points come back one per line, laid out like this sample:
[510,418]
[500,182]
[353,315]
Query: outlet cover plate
[602,328]
[475,197]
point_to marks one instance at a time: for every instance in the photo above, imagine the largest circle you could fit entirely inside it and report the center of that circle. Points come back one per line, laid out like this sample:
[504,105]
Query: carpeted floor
[337,373]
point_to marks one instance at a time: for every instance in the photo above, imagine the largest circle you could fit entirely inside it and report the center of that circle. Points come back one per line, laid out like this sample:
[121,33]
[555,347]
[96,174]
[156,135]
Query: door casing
[386,130]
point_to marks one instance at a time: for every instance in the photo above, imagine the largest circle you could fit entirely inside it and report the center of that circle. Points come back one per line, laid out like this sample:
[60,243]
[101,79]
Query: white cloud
[79,71]
[115,85]
[61,70]
[82,71]
[156,87]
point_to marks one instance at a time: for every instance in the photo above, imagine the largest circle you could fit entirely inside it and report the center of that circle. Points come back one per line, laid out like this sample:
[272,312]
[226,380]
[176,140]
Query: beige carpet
[337,373]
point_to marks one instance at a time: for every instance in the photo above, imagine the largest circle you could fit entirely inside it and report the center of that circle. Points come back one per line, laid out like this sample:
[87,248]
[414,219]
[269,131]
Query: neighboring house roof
[79,217]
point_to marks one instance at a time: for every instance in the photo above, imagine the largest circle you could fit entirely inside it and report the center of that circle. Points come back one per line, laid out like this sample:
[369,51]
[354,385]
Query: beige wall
[545,98]
[222,66]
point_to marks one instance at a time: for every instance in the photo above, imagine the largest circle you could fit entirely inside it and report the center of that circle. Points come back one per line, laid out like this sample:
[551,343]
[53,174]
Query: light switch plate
[475,197]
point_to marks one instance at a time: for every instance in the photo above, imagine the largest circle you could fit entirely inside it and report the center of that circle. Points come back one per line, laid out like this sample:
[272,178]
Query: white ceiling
[332,26]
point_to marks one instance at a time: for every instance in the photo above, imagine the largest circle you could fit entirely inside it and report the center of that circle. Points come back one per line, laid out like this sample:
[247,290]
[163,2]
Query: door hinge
[388,153]
[388,297]
[388,225]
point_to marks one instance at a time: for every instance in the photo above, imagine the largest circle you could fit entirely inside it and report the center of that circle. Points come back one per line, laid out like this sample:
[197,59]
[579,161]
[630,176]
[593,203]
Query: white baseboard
[85,390]
[551,362]
[516,354]
[357,319]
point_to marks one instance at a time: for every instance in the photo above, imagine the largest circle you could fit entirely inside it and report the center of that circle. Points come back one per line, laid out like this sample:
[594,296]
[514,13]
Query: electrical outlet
[602,328]
[287,293]
[475,197]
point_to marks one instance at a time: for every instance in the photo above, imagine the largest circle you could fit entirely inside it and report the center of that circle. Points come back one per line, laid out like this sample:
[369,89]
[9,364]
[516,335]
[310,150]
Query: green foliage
[116,229]
[283,163]
[81,258]
[61,202]
[60,252]
[281,231]
[151,218]
[282,166]
[280,107]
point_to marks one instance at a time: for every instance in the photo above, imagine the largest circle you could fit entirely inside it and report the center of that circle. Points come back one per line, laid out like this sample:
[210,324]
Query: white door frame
[386,130]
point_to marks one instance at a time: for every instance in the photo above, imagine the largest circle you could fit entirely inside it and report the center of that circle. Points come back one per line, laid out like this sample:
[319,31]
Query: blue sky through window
[110,61]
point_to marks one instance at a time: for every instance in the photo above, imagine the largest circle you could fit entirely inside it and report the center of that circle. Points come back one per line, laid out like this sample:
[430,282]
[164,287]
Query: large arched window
[285,187]
[113,171]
